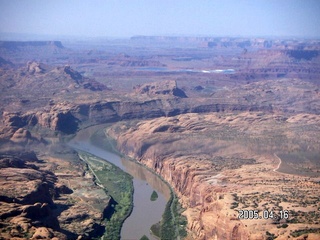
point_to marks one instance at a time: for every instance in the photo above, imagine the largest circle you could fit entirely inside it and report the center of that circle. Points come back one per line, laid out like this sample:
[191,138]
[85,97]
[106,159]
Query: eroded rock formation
[161,88]
[36,203]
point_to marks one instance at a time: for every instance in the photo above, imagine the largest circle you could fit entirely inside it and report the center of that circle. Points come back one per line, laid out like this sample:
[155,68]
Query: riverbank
[118,185]
[173,223]
[145,212]
[115,182]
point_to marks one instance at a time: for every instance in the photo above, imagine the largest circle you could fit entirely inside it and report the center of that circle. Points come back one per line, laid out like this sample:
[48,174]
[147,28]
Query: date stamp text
[265,214]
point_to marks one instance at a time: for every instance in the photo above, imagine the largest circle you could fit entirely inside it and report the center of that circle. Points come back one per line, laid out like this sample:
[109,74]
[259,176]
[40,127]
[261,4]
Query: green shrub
[154,196]
[155,229]
[144,237]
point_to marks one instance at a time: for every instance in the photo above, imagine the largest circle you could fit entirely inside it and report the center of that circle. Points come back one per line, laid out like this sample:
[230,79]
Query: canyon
[211,158]
[216,137]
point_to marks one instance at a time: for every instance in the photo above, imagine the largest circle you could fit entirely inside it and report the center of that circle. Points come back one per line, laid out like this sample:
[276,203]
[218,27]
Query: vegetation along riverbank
[118,185]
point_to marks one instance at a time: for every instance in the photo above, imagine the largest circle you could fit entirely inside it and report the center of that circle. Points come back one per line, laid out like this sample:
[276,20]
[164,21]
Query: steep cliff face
[67,118]
[192,178]
[207,213]
[63,121]
[279,63]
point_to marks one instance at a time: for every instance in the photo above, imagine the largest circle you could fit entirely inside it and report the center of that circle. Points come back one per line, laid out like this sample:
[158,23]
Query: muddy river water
[145,212]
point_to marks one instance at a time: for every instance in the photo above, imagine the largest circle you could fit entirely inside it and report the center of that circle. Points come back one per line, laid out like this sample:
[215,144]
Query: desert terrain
[231,124]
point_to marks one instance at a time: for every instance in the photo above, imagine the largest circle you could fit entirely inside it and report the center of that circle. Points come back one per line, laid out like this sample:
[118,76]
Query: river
[145,212]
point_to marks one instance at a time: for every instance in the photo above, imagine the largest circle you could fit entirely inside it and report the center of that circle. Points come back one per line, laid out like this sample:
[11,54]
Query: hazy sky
[125,18]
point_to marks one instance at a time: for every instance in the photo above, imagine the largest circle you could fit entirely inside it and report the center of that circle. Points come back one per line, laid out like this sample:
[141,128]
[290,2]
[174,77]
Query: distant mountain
[15,45]
[20,52]
[233,42]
